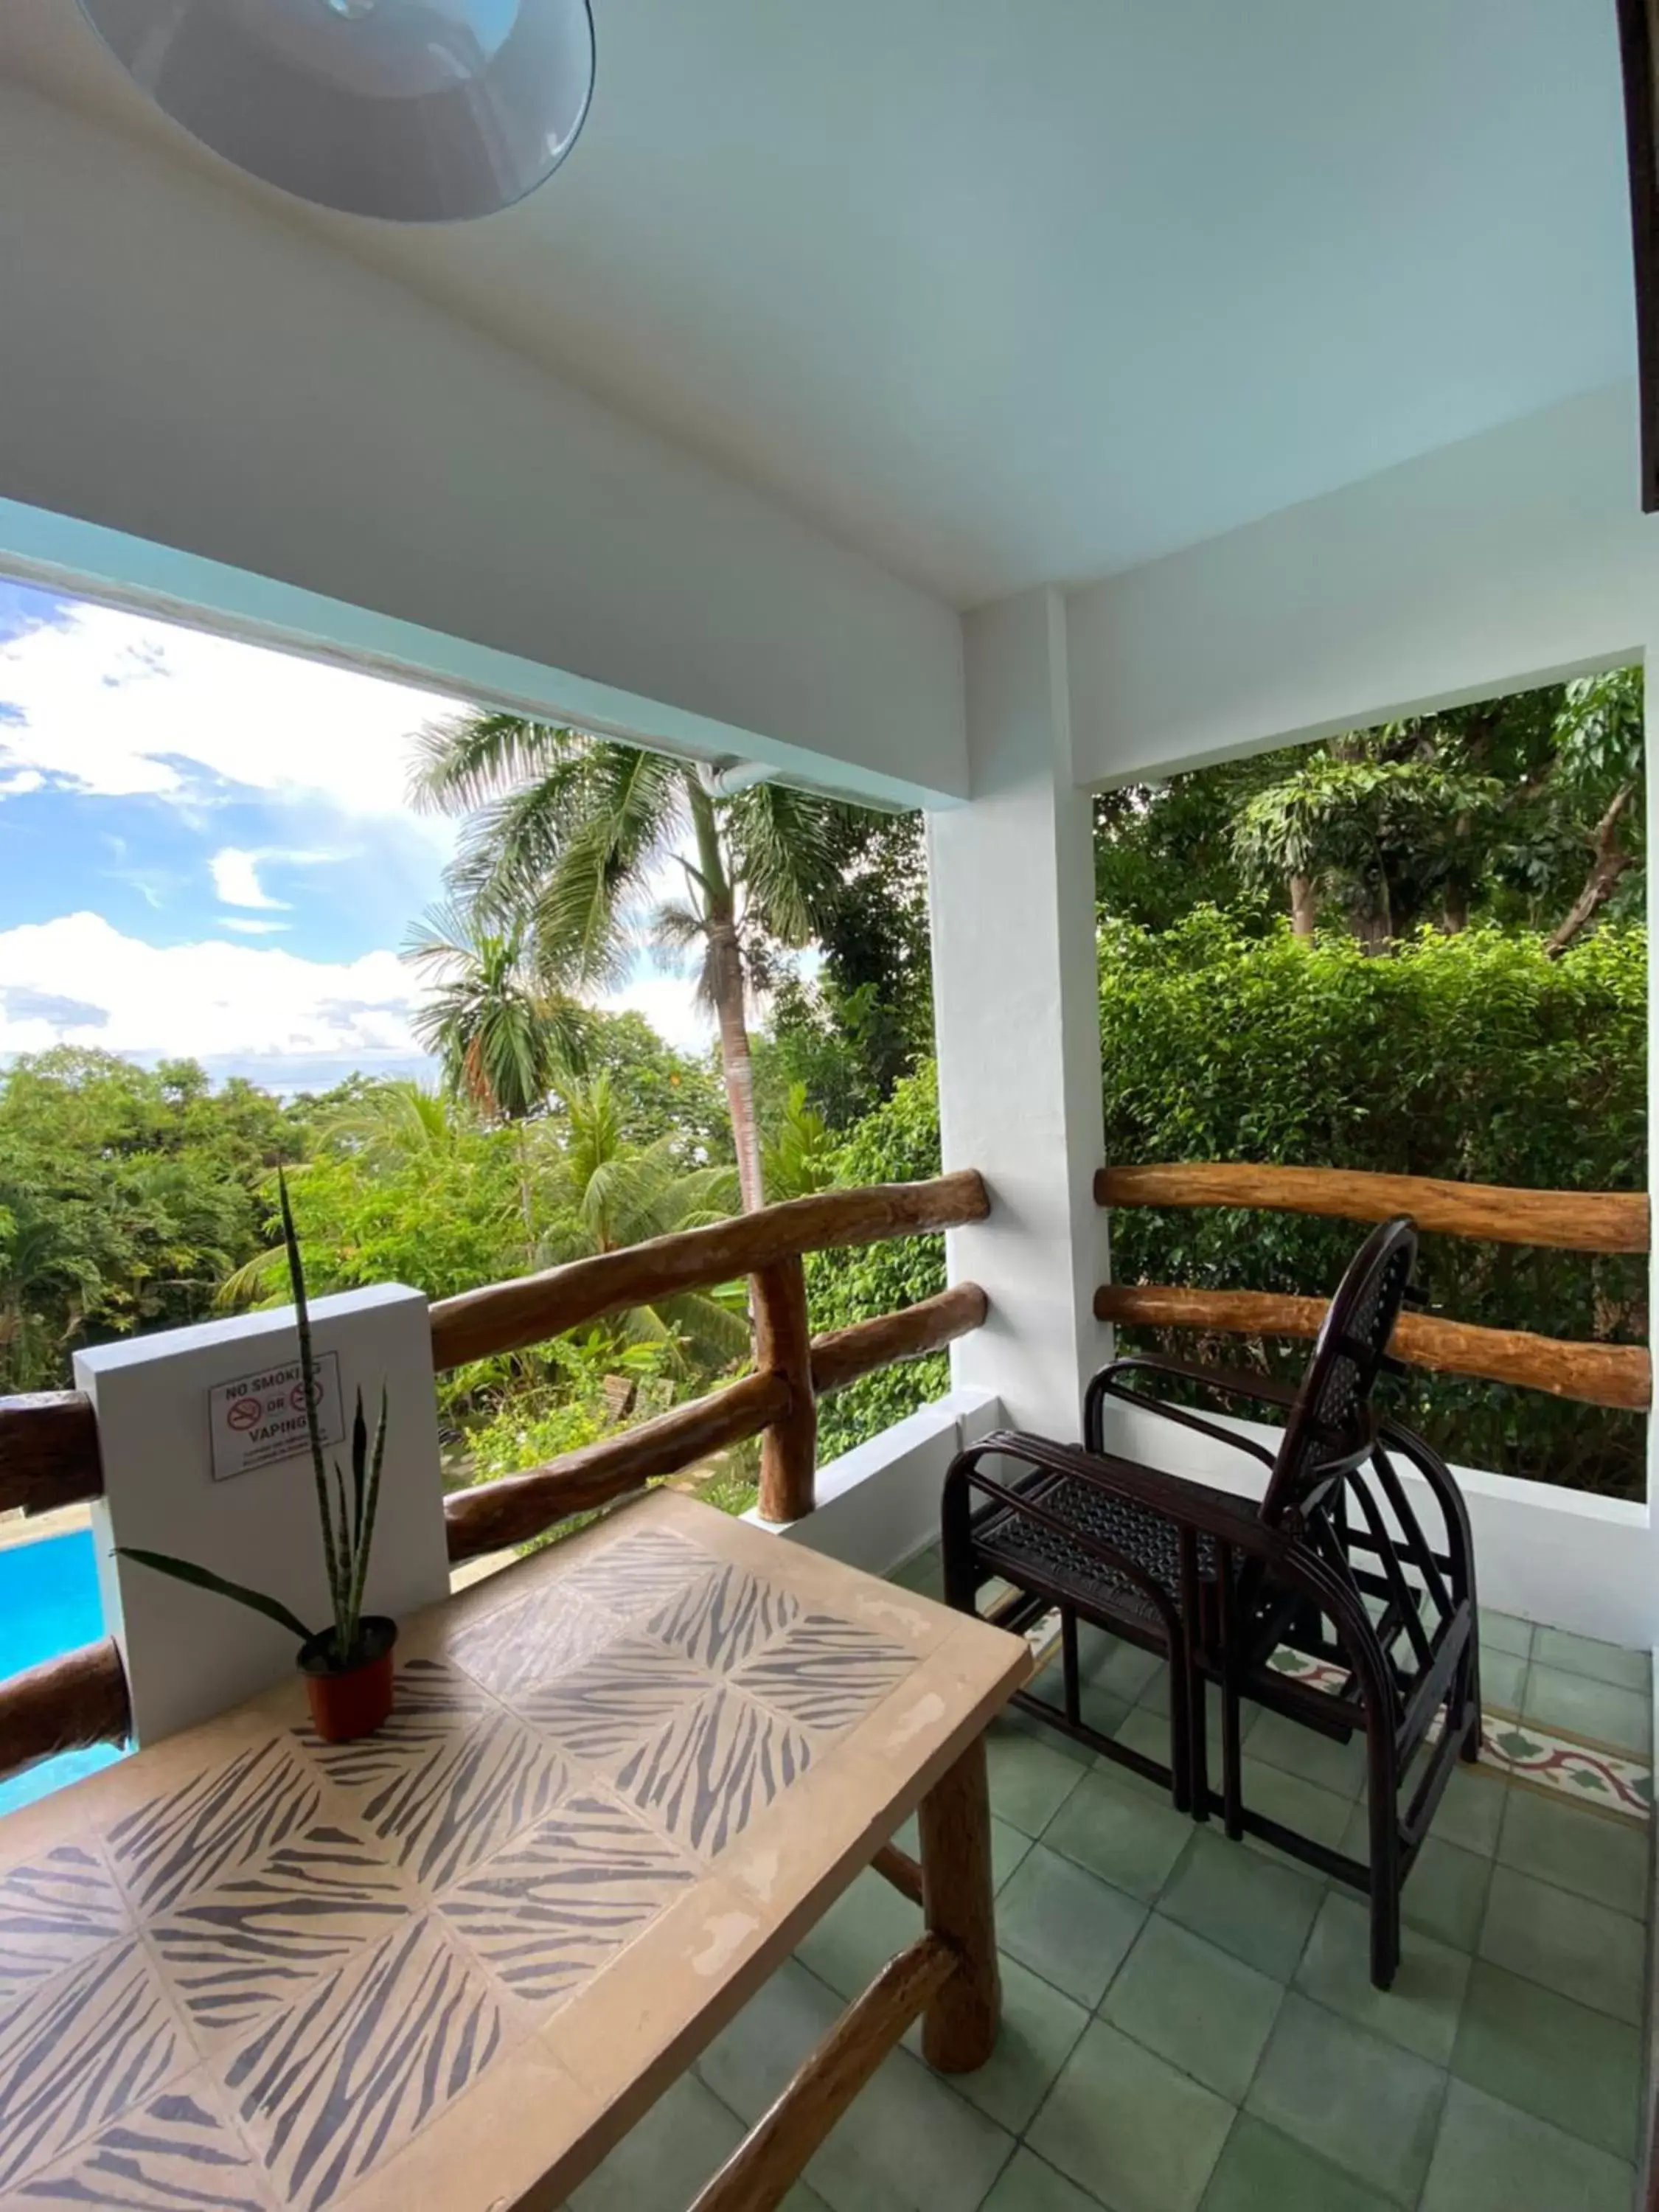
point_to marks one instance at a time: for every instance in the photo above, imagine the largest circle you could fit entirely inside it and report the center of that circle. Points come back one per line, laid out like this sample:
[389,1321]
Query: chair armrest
[1226,1381]
[1107,1384]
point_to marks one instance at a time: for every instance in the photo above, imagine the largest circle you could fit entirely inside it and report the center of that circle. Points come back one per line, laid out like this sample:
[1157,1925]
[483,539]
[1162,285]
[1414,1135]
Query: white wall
[1508,559]
[187,369]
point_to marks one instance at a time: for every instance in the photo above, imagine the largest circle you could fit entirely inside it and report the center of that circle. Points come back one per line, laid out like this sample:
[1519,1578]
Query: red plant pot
[350,1702]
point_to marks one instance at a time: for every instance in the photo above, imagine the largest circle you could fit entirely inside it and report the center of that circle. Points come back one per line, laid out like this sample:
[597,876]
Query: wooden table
[448,1967]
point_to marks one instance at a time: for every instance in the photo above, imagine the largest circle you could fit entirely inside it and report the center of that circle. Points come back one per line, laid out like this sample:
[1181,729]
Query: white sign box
[260,1419]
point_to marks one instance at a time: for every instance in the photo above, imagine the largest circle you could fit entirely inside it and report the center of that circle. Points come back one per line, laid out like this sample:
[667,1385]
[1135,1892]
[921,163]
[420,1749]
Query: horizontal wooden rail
[1599,1374]
[508,1316]
[1571,1220]
[64,1705]
[762,2171]
[48,1451]
[521,1506]
[898,1868]
[843,1355]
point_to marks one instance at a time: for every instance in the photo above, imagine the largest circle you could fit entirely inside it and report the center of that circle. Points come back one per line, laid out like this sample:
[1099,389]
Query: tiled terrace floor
[1189,2024]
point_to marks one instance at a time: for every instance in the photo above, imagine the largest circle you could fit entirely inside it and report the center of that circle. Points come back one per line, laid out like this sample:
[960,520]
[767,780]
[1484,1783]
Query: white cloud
[121,705]
[669,1003]
[77,979]
[247,928]
[236,879]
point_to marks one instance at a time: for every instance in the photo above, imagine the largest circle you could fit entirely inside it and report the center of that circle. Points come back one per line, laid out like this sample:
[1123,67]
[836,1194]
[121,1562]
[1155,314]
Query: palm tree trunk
[1304,908]
[725,985]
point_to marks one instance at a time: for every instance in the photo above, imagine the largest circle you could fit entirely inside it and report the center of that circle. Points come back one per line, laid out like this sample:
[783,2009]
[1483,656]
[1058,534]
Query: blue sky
[205,848]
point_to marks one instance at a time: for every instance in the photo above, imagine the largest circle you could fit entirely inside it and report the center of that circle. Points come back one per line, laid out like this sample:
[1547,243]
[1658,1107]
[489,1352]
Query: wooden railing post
[783,1347]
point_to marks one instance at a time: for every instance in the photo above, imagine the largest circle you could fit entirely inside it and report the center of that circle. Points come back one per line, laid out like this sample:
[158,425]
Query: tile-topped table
[449,1966]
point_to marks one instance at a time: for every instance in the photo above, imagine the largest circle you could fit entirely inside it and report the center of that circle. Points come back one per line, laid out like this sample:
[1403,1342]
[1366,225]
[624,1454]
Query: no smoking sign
[260,1419]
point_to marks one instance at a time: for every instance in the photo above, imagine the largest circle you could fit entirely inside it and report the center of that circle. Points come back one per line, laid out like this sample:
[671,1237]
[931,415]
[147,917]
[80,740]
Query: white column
[1018,1024]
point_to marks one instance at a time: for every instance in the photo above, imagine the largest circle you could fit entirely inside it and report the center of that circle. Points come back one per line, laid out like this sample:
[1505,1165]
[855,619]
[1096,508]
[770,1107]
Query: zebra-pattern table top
[451,1965]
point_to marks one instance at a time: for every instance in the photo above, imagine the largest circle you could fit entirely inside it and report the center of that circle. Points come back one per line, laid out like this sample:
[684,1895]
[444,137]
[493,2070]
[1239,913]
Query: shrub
[898,1143]
[1474,1057]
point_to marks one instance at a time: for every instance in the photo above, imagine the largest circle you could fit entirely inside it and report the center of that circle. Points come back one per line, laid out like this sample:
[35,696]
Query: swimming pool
[49,1603]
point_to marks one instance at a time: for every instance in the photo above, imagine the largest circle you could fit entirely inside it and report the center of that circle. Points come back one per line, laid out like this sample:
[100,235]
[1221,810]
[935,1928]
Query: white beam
[253,413]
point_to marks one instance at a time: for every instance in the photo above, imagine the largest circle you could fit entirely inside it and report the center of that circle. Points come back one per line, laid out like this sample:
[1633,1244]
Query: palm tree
[502,1041]
[603,1193]
[564,834]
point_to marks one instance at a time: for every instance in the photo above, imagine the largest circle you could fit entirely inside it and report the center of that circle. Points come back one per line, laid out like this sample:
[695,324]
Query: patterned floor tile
[716,1765]
[77,2051]
[636,1574]
[445,1797]
[227,1820]
[55,1913]
[175,2151]
[234,1953]
[530,1642]
[601,1713]
[546,1913]
[335,2084]
[724,1618]
[825,1673]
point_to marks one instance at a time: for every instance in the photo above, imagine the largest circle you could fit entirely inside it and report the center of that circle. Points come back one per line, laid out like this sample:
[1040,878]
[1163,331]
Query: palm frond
[783,845]
[463,763]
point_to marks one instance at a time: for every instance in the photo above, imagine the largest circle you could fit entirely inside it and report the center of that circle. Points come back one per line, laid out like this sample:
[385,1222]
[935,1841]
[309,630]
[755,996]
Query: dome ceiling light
[414,111]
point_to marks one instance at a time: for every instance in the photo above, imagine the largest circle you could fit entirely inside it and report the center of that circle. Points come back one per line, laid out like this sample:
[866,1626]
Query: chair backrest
[1330,1426]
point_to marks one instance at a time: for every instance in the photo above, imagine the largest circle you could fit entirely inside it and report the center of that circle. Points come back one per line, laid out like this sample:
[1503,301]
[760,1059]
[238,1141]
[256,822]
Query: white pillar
[198,1470]
[1018,1022]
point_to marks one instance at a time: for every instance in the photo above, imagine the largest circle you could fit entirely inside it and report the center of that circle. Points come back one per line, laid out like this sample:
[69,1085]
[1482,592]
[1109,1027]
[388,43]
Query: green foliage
[1474,1056]
[125,1195]
[800,1151]
[898,1143]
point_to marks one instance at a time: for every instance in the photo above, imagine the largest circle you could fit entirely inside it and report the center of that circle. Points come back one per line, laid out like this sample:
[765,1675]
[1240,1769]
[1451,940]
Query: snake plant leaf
[185,1571]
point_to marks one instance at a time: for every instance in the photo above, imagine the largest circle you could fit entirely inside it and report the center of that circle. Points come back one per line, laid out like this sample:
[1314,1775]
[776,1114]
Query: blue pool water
[49,1603]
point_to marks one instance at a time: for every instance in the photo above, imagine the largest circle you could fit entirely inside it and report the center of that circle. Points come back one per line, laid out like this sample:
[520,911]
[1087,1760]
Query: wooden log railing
[49,1452]
[1615,1375]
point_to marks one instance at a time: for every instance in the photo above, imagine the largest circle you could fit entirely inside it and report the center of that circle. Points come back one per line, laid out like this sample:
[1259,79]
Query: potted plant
[348,1665]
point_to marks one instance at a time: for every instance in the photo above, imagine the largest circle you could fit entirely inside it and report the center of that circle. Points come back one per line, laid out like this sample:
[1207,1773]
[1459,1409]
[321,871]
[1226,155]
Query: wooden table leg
[959,2028]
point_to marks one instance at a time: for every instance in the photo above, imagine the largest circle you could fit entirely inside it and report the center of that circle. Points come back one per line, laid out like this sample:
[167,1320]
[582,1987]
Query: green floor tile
[909,2143]
[1505,1631]
[1028,2185]
[1008,1846]
[1419,2012]
[1257,1908]
[1446,1892]
[1132,2130]
[1491,2158]
[1131,1840]
[925,1573]
[1593,1854]
[1284,1743]
[682,2141]
[1587,1654]
[1367,2106]
[1262,2171]
[1200,2008]
[869,1923]
[1039,2031]
[1148,1733]
[1553,2058]
[1471,1809]
[1576,1705]
[1301,1806]
[1066,1924]
[1502,1679]
[1581,1949]
[1098,1709]
[1123,1669]
[1029,1780]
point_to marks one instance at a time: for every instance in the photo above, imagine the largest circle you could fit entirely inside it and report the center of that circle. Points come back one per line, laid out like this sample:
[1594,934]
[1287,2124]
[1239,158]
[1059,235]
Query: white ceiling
[1003,294]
